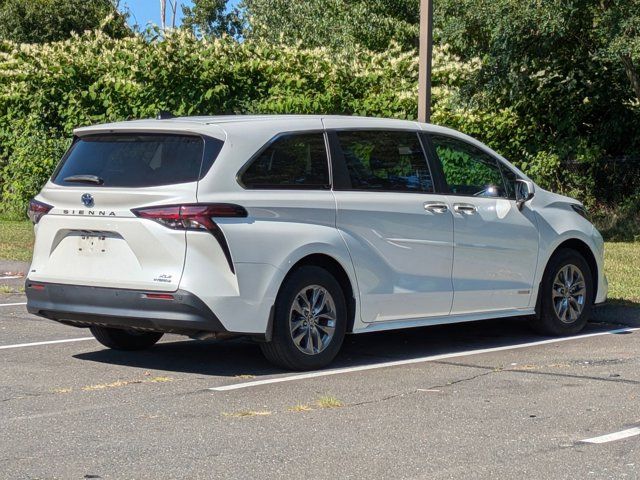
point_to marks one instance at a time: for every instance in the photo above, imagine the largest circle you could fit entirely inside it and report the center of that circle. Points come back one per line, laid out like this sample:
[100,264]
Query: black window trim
[273,140]
[342,180]
[445,187]
[207,147]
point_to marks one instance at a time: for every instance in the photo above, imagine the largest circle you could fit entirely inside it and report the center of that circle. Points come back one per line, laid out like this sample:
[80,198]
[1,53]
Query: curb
[13,267]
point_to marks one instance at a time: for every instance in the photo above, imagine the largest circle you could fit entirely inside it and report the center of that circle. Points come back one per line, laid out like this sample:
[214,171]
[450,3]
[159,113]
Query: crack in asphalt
[26,395]
[420,390]
[489,371]
[550,374]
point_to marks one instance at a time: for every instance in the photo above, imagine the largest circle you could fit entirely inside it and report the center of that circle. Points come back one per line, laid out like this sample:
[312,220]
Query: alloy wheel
[569,293]
[312,319]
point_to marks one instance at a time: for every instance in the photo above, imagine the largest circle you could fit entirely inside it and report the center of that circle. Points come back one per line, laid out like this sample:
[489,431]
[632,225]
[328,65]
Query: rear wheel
[309,321]
[118,339]
[566,295]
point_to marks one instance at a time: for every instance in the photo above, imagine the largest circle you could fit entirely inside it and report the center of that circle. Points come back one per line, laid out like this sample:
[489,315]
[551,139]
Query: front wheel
[309,321]
[566,295]
[118,339]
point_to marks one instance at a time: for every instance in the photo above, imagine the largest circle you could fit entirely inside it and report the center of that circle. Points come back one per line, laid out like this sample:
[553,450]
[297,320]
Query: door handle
[436,207]
[465,208]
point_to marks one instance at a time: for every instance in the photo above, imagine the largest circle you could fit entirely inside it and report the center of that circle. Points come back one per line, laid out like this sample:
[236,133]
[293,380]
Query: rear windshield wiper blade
[85,179]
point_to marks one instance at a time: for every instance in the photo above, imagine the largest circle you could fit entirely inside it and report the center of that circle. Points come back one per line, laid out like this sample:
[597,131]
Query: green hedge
[48,90]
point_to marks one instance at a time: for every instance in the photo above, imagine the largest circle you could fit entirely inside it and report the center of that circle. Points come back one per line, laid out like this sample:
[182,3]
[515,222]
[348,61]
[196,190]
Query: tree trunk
[174,6]
[163,14]
[632,74]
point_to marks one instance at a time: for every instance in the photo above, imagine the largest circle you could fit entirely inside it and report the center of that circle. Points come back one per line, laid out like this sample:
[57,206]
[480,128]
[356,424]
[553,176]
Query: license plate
[92,245]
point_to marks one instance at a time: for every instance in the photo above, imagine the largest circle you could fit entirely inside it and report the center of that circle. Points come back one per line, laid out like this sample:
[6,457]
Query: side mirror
[524,192]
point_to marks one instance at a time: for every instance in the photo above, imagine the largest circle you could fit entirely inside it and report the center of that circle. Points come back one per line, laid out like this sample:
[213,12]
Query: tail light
[195,217]
[37,210]
[190,217]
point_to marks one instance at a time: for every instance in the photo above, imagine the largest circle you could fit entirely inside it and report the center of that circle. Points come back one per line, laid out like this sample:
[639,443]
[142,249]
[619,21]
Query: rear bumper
[84,306]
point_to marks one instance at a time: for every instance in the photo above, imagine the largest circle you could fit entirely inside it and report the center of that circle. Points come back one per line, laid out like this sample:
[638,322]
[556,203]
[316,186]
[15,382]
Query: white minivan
[295,230]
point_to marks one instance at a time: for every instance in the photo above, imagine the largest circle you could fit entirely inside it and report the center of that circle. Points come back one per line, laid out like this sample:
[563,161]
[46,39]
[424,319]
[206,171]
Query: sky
[144,11]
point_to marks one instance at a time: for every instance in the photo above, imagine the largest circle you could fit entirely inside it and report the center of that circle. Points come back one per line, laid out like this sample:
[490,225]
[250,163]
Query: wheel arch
[583,249]
[335,268]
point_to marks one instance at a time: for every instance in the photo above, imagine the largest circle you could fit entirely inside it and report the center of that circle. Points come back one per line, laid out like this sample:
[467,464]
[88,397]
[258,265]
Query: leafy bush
[35,154]
[48,90]
[619,223]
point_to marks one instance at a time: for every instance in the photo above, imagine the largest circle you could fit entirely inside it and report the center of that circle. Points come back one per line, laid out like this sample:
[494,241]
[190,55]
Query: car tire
[118,339]
[565,298]
[310,307]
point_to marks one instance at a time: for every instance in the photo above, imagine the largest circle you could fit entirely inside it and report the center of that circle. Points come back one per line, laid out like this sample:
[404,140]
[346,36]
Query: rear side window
[385,161]
[291,161]
[135,160]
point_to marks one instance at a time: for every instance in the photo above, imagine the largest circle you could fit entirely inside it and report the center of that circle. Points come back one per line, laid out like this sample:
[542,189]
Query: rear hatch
[91,235]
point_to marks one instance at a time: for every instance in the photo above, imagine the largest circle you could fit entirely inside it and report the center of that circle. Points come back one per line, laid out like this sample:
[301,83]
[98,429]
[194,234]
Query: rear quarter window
[137,160]
[290,161]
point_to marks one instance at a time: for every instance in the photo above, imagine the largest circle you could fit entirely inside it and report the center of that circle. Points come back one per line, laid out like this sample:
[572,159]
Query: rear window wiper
[85,179]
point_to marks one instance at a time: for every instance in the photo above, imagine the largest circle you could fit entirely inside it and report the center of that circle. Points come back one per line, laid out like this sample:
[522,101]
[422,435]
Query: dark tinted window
[291,161]
[138,160]
[467,169]
[390,161]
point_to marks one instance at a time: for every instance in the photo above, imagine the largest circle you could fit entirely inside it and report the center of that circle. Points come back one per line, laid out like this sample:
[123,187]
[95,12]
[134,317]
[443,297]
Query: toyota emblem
[87,200]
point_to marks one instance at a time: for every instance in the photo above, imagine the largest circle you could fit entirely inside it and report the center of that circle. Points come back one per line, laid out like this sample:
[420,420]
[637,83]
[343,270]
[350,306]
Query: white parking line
[411,361]
[12,304]
[51,342]
[12,277]
[612,437]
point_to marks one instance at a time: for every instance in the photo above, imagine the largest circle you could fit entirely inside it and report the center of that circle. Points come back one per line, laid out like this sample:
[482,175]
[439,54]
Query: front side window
[291,161]
[469,170]
[510,178]
[385,161]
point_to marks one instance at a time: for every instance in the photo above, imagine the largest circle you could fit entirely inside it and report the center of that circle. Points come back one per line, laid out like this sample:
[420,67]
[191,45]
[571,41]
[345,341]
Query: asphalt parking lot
[479,400]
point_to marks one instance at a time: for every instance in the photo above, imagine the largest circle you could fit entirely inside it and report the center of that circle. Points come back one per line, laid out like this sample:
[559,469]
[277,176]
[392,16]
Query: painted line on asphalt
[50,342]
[412,361]
[12,304]
[612,437]
[12,277]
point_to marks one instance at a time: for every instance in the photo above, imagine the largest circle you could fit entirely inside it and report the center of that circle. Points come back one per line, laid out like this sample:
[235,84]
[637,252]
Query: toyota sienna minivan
[296,230]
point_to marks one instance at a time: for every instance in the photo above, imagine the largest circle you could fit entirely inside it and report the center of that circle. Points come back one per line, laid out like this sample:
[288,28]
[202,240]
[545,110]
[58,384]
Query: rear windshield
[135,160]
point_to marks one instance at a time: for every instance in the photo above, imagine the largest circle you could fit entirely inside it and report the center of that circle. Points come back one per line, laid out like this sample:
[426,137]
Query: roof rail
[165,115]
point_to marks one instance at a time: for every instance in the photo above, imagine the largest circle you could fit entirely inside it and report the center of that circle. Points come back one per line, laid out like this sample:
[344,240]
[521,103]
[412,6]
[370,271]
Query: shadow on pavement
[619,313]
[240,357]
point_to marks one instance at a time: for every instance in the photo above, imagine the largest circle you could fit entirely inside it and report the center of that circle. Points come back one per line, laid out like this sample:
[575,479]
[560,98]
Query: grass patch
[248,413]
[62,390]
[622,266]
[301,408]
[16,240]
[124,383]
[8,289]
[328,401]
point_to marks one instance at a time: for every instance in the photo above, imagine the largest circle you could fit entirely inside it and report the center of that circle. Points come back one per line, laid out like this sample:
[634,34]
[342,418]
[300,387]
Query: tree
[211,18]
[618,24]
[41,21]
[566,65]
[336,24]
